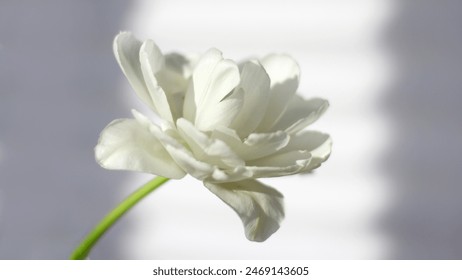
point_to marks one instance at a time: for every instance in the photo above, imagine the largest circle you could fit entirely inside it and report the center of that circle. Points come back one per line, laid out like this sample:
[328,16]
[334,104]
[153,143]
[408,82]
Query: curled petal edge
[260,207]
[128,144]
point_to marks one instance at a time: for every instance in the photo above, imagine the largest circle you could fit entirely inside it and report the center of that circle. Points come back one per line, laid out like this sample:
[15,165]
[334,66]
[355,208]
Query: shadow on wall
[424,105]
[58,80]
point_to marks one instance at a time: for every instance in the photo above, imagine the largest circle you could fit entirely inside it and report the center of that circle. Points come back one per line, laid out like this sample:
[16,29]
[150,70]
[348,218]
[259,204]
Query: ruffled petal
[172,142]
[128,144]
[284,73]
[222,113]
[126,50]
[318,144]
[280,164]
[300,113]
[210,100]
[256,145]
[235,174]
[259,206]
[152,62]
[174,79]
[205,148]
[255,84]
[282,159]
[175,76]
[196,168]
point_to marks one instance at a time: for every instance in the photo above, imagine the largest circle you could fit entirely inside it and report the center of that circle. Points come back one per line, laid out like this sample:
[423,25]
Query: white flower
[223,123]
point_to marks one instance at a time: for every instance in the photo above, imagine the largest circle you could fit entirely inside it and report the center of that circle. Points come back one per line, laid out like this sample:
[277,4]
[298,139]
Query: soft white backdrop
[390,69]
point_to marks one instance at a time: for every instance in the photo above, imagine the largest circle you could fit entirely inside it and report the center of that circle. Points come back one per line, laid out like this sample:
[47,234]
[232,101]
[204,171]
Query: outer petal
[284,73]
[318,144]
[301,113]
[259,206]
[128,144]
[255,83]
[152,62]
[126,50]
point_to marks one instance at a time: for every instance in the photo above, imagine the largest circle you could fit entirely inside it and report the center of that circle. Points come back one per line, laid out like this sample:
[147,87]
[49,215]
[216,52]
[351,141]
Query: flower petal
[172,142]
[201,170]
[126,50]
[318,144]
[128,144]
[255,146]
[301,113]
[213,82]
[222,113]
[259,206]
[284,73]
[255,83]
[174,80]
[282,159]
[258,145]
[280,164]
[152,61]
[175,76]
[213,151]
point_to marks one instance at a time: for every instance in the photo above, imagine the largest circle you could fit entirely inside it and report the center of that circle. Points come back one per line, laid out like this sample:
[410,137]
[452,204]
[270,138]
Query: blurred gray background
[58,89]
[424,107]
[390,69]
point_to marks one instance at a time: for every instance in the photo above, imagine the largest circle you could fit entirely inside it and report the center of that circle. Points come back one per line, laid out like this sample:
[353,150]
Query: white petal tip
[260,207]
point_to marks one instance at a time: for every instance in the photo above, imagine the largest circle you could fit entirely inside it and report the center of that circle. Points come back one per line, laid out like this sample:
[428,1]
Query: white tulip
[223,123]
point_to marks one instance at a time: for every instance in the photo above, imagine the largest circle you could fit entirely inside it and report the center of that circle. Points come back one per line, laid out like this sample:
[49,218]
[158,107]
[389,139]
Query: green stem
[82,251]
